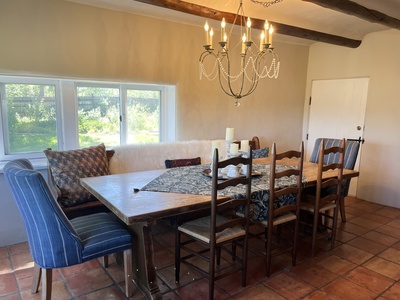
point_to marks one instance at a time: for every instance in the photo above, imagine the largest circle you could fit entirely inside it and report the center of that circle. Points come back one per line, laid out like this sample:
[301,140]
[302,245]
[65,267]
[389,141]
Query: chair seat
[101,235]
[308,206]
[200,229]
[281,219]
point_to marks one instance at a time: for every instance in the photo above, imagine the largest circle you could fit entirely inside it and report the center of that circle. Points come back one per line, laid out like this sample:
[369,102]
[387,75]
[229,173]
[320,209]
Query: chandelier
[240,66]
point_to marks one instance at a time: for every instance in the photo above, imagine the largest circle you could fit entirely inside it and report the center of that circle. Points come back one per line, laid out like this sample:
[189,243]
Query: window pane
[30,118]
[143,113]
[98,116]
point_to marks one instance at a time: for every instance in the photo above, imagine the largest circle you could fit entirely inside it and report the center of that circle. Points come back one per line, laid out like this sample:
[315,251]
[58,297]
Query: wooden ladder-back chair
[350,158]
[320,203]
[218,229]
[284,203]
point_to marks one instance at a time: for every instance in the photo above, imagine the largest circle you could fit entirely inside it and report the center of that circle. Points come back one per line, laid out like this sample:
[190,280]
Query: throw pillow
[67,167]
[260,153]
[174,163]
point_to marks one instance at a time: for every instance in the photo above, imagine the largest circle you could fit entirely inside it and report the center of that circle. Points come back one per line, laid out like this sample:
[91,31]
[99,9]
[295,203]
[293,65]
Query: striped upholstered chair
[350,157]
[56,242]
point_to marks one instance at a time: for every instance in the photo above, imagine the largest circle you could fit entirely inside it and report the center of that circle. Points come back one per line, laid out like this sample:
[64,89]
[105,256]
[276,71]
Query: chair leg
[334,226]
[105,261]
[128,272]
[47,281]
[244,260]
[211,273]
[295,238]
[219,255]
[342,209]
[315,232]
[268,250]
[177,255]
[37,273]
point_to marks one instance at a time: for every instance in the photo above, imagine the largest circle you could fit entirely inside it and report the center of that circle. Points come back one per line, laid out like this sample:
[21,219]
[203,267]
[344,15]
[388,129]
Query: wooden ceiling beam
[357,10]
[279,28]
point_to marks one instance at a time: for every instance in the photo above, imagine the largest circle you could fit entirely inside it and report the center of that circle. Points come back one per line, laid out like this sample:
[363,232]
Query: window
[68,114]
[29,119]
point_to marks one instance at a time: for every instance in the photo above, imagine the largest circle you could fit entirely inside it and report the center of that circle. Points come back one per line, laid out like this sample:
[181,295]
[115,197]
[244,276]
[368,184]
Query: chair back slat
[275,193]
[231,204]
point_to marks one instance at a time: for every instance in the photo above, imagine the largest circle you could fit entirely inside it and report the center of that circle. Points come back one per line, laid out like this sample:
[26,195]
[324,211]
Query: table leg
[144,272]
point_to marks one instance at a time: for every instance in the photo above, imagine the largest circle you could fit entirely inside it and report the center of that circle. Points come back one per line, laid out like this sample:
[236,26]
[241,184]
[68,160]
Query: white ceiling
[290,12]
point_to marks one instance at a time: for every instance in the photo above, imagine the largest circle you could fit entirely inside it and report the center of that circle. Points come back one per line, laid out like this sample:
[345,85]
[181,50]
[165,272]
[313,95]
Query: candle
[262,38]
[214,145]
[244,145]
[223,24]
[271,30]
[211,36]
[229,134]
[243,42]
[248,31]
[206,27]
[234,148]
[266,26]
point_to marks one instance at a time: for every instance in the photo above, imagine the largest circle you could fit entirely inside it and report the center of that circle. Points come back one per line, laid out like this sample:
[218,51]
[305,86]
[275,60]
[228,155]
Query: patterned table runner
[192,180]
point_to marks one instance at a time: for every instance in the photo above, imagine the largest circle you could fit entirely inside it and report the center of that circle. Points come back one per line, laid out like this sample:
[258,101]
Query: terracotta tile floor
[365,264]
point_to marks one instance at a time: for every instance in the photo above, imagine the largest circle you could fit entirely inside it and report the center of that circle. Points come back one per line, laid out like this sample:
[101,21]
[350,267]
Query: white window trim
[67,112]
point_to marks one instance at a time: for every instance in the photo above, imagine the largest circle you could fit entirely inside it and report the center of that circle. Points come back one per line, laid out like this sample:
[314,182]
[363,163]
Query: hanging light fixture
[253,62]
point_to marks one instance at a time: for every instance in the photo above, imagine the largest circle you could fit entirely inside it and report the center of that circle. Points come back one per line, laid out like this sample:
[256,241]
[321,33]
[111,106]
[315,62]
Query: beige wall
[377,58]
[65,39]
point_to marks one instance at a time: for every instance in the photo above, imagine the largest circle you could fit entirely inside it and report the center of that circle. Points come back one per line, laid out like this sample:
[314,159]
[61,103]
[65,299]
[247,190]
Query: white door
[337,110]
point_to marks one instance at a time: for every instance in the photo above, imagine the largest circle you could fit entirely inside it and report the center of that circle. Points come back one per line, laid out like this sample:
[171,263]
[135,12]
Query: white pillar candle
[234,149]
[229,134]
[244,145]
[214,145]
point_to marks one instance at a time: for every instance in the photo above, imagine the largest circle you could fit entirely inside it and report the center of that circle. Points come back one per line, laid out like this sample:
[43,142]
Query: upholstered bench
[65,168]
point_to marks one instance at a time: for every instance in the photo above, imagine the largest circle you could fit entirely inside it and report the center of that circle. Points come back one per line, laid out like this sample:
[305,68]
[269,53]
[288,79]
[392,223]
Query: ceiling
[296,13]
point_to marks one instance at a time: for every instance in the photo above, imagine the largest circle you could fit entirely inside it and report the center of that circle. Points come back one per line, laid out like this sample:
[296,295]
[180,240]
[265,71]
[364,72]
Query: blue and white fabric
[54,241]
[193,180]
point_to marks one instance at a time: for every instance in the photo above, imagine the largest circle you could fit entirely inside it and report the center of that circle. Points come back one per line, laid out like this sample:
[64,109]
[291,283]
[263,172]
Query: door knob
[359,127]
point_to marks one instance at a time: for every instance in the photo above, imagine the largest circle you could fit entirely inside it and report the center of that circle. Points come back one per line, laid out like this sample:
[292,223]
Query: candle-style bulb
[248,22]
[223,23]
[271,30]
[266,25]
[206,27]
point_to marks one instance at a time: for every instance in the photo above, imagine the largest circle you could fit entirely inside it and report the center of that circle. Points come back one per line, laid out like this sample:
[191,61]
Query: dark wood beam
[357,10]
[283,29]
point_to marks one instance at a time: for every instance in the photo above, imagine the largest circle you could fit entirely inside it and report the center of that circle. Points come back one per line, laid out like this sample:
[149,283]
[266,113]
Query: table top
[118,192]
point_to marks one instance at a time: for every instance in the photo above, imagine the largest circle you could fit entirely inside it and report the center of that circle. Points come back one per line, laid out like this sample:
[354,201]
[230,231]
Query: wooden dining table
[139,210]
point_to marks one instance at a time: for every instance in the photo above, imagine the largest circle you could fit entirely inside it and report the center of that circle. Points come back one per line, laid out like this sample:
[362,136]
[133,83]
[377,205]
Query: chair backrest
[230,205]
[52,240]
[286,192]
[350,156]
[254,143]
[333,183]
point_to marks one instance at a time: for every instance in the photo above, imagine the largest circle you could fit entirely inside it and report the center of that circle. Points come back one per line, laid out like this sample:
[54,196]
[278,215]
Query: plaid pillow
[67,167]
[174,163]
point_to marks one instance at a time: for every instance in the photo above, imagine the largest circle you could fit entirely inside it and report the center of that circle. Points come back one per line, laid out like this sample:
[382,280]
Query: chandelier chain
[266,4]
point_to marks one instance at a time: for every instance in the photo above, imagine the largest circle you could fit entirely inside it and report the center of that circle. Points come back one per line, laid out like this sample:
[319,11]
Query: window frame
[67,110]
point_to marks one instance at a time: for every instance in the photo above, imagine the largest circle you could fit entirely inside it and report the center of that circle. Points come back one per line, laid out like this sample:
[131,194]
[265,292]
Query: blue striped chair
[56,242]
[350,157]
